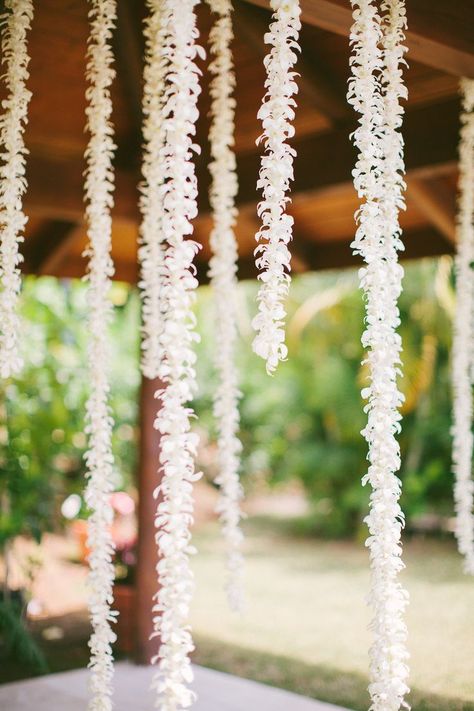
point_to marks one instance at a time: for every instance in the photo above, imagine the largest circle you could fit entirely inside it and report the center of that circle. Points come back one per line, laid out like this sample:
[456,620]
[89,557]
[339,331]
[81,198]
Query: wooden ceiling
[441,44]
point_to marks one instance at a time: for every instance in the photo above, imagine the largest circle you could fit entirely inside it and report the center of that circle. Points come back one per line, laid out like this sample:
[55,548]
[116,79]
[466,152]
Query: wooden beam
[315,82]
[436,203]
[326,160]
[128,49]
[311,255]
[440,32]
[56,188]
[419,243]
[44,251]
[337,254]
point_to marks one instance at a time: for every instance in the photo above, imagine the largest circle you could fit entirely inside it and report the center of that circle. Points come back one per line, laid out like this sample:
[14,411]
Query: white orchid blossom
[276,173]
[16,22]
[99,185]
[375,90]
[463,336]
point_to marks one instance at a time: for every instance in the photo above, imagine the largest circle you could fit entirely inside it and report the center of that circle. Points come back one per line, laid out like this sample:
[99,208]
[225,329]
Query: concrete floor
[216,692]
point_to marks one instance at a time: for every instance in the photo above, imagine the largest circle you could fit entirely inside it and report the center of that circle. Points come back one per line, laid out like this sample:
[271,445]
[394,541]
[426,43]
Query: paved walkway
[216,692]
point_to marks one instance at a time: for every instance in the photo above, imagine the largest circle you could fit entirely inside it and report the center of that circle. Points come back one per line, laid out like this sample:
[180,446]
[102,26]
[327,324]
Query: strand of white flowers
[375,90]
[16,22]
[276,172]
[177,368]
[223,273]
[151,250]
[99,460]
[463,335]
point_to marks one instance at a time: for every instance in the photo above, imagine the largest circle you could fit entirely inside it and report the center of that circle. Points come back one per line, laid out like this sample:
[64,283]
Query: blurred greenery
[303,423]
[42,438]
[16,641]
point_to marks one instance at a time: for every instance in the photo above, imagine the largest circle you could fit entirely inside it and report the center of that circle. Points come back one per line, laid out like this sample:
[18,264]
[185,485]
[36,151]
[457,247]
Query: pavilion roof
[441,44]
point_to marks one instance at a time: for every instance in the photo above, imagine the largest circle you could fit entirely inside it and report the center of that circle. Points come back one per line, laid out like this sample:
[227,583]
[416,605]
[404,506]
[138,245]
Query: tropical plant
[305,422]
[42,438]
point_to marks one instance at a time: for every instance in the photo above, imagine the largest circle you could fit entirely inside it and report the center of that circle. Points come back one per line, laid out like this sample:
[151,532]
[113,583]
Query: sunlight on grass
[306,611]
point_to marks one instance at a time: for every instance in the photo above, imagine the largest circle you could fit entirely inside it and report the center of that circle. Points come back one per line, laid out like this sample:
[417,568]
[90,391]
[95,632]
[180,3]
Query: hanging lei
[375,90]
[99,460]
[177,359]
[223,273]
[15,22]
[276,172]
[463,335]
[151,250]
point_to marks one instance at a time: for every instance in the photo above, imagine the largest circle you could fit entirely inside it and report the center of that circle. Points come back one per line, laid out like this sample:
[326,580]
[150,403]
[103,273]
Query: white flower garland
[177,367]
[99,459]
[463,336]
[276,172]
[16,22]
[151,250]
[375,90]
[223,271]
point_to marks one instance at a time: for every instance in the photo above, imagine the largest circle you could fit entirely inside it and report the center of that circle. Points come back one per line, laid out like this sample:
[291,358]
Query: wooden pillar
[146,580]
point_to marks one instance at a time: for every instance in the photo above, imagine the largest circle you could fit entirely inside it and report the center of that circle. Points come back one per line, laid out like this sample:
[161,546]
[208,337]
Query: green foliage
[16,643]
[305,422]
[42,412]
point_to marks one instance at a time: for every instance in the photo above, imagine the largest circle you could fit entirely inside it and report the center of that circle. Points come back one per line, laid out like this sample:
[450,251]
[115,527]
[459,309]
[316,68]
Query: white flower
[276,113]
[463,336]
[98,192]
[178,33]
[151,250]
[223,271]
[375,90]
[16,21]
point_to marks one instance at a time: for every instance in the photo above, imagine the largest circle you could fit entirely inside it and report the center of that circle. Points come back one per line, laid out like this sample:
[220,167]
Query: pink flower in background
[122,503]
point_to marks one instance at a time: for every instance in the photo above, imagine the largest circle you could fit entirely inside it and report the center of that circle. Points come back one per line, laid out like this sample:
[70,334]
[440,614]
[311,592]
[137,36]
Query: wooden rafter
[45,250]
[436,203]
[316,81]
[440,31]
[332,254]
[325,162]
[128,49]
[335,254]
[55,190]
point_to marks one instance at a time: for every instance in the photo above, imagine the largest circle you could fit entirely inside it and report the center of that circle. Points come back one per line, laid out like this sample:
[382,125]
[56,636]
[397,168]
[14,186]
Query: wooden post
[146,580]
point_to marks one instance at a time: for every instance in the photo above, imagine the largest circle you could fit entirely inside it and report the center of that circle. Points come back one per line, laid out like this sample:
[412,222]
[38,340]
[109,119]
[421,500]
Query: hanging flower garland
[16,22]
[375,90]
[463,336]
[99,459]
[151,250]
[177,365]
[223,273]
[276,113]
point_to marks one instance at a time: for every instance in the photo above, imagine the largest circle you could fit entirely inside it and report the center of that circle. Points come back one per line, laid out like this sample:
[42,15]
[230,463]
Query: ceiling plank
[424,242]
[337,254]
[440,33]
[315,82]
[433,200]
[56,189]
[45,250]
[325,162]
[318,256]
[128,49]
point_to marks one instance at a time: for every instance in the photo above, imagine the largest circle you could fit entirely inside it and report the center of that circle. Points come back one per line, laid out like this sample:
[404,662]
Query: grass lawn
[305,626]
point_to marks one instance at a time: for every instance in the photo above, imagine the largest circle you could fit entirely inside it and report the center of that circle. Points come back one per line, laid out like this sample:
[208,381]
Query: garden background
[303,460]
